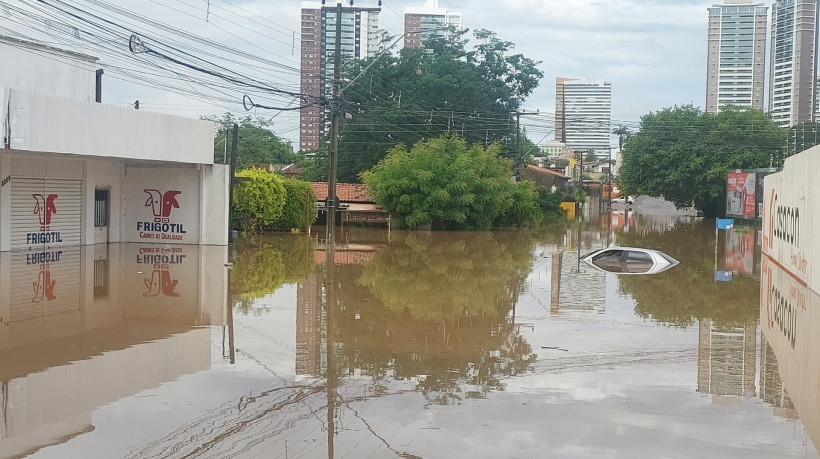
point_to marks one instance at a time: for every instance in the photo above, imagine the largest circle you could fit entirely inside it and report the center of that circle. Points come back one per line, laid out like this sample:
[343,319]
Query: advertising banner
[741,189]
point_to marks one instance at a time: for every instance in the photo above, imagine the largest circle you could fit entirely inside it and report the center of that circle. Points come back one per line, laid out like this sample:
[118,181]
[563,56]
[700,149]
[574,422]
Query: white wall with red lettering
[161,204]
[791,217]
[790,281]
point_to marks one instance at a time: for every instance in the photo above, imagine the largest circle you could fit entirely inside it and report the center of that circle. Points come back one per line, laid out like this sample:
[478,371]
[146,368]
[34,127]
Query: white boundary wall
[790,280]
[202,198]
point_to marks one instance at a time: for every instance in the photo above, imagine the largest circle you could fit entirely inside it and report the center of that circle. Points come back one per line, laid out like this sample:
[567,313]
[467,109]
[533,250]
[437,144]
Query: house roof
[542,170]
[347,192]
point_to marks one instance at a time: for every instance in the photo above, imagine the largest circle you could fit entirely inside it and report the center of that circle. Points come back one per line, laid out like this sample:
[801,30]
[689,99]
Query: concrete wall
[202,200]
[790,280]
[39,122]
[790,320]
[162,204]
[47,70]
[791,217]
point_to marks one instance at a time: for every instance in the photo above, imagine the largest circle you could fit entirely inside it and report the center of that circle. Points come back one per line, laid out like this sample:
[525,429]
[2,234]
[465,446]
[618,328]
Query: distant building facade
[360,39]
[736,60]
[583,109]
[792,66]
[555,149]
[420,23]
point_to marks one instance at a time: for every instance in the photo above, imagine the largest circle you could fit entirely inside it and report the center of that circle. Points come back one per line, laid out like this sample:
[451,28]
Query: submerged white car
[629,260]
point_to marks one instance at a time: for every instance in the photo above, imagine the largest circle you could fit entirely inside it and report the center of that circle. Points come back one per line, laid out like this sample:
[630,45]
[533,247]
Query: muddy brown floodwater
[404,344]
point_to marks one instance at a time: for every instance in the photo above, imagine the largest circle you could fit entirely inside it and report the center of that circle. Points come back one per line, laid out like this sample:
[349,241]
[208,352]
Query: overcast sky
[652,51]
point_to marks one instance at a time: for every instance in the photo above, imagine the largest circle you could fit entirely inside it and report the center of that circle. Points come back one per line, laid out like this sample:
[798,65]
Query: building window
[101,198]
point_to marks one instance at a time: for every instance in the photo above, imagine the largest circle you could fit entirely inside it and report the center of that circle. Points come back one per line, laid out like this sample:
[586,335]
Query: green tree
[623,134]
[446,184]
[420,94]
[257,144]
[683,154]
[299,210]
[258,201]
[550,202]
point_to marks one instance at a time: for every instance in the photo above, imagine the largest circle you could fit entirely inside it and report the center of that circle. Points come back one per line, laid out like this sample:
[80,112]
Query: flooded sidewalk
[400,344]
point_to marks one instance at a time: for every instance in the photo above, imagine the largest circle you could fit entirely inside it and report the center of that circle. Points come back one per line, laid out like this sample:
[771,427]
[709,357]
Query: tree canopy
[424,92]
[448,185]
[256,145]
[683,154]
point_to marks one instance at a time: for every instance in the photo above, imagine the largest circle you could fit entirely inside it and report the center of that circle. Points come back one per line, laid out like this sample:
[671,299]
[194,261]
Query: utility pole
[519,158]
[335,107]
[330,238]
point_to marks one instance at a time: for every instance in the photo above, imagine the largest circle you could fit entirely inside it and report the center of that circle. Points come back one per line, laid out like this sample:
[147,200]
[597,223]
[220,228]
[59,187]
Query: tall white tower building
[736,61]
[422,22]
[583,109]
[792,64]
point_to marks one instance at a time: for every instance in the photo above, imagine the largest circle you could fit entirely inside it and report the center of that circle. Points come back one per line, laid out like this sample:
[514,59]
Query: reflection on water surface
[424,344]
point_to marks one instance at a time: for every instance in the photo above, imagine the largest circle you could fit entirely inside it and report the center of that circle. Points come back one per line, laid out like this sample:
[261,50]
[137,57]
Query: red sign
[162,227]
[44,207]
[740,199]
[161,204]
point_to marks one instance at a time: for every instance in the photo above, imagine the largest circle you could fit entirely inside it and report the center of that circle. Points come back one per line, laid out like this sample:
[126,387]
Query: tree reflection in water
[266,262]
[436,307]
[688,292]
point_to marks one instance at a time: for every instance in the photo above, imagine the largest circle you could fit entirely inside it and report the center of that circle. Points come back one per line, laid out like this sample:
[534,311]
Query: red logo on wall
[44,207]
[161,204]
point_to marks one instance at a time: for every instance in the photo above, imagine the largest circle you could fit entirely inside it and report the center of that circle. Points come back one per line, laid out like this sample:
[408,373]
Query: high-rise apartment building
[736,61]
[360,39]
[583,109]
[420,23]
[792,64]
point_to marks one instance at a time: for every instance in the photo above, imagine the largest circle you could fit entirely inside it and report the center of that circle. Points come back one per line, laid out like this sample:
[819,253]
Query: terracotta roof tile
[347,192]
[543,170]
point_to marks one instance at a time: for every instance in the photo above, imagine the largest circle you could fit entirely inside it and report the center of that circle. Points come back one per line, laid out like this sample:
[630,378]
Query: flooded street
[407,344]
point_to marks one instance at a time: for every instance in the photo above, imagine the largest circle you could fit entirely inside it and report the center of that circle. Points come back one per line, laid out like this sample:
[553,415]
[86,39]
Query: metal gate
[45,212]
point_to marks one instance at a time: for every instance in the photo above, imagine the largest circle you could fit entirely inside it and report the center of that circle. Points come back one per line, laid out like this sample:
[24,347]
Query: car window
[608,256]
[638,262]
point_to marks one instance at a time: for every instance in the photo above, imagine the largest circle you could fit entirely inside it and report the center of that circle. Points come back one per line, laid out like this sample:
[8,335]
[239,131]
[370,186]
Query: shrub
[258,201]
[299,210]
[550,202]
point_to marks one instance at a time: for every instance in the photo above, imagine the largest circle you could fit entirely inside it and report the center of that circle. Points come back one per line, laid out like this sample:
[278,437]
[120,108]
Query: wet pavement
[457,345]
